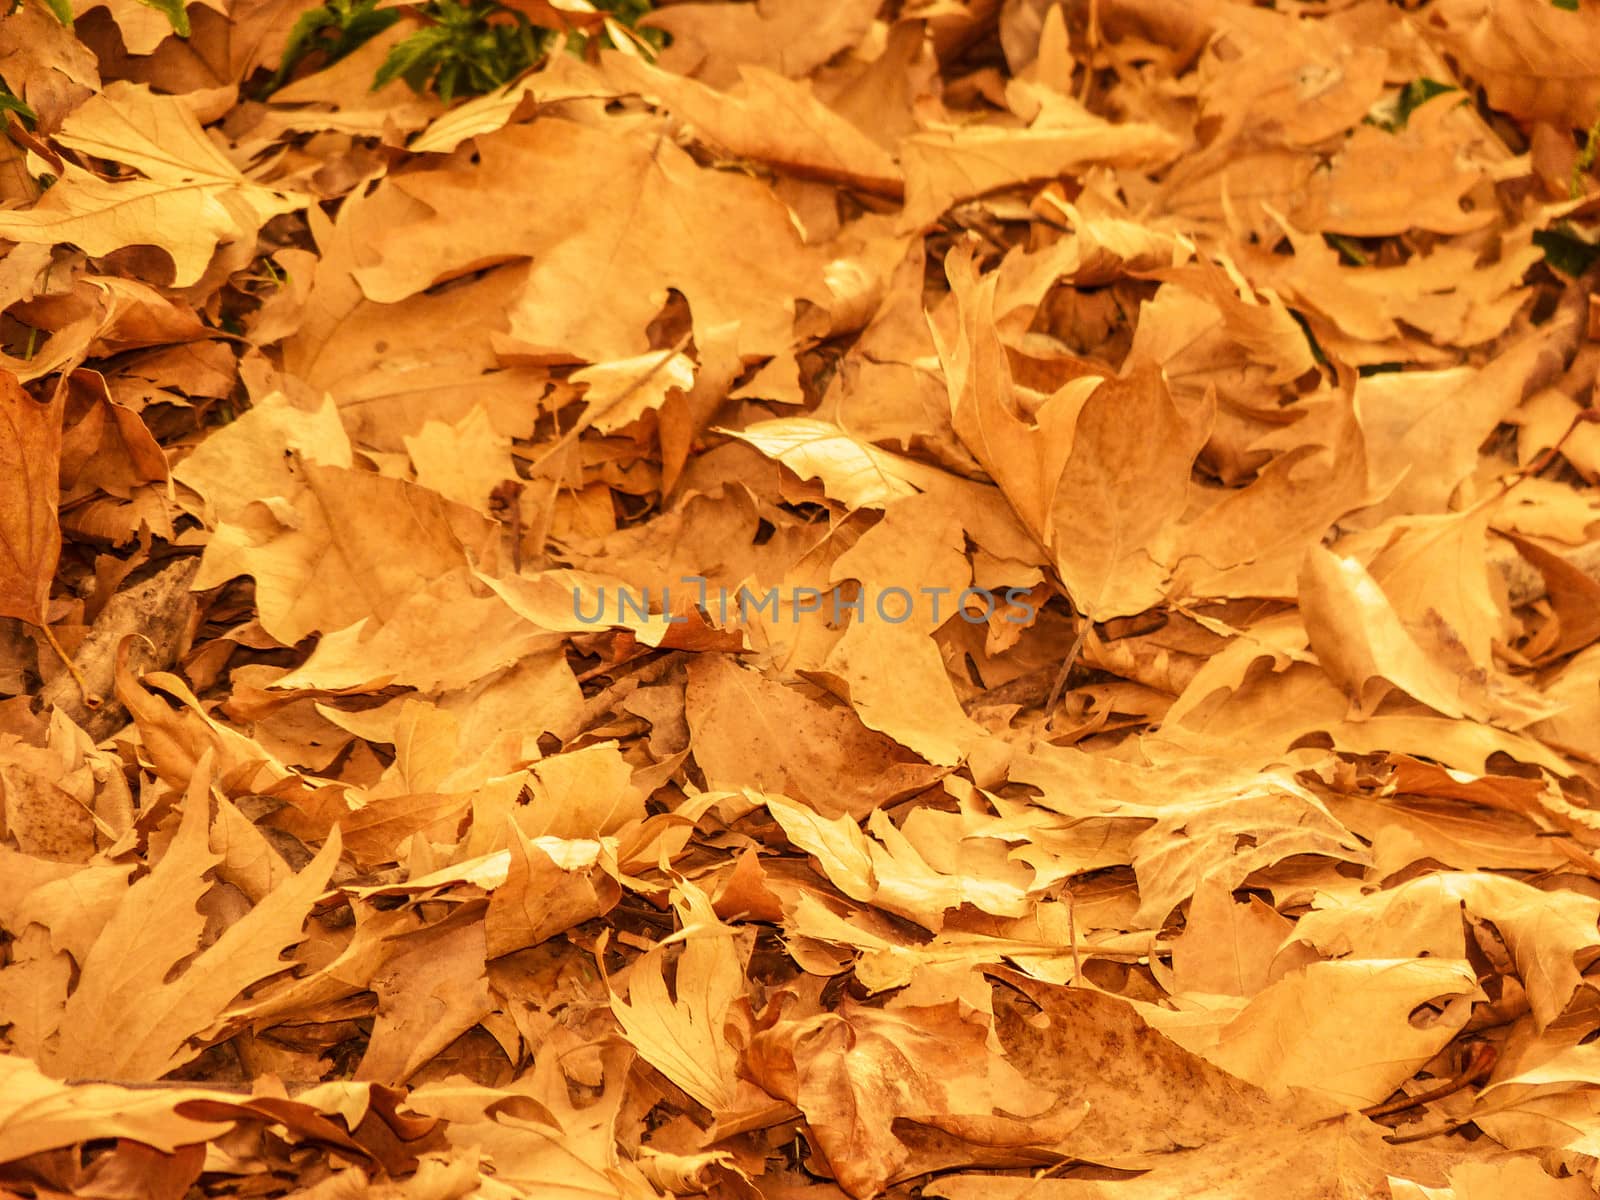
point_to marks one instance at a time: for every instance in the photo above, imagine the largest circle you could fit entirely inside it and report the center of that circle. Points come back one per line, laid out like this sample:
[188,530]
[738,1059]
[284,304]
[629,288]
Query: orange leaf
[30,538]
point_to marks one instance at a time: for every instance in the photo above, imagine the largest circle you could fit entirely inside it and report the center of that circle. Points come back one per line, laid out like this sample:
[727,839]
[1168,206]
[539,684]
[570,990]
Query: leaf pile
[952,599]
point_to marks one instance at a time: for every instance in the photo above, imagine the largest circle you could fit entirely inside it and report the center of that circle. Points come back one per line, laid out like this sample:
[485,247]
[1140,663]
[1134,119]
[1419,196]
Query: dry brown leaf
[770,118]
[750,731]
[863,371]
[1536,60]
[126,1018]
[1099,475]
[188,199]
[791,37]
[646,210]
[30,540]
[855,1073]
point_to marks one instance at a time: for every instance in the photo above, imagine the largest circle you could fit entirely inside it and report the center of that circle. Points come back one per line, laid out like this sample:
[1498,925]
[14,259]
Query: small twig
[1400,1139]
[292,1086]
[90,699]
[1092,44]
[1584,416]
[1480,1064]
[1072,933]
[1066,667]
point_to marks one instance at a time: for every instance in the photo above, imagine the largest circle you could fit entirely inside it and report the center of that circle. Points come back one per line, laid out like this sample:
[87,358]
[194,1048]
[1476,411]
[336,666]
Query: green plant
[1591,144]
[10,103]
[1349,249]
[473,46]
[177,16]
[173,10]
[1393,113]
[468,48]
[1567,247]
[333,31]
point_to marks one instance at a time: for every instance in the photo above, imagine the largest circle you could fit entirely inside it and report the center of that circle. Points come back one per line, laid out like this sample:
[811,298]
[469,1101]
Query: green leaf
[334,30]
[1566,5]
[175,13]
[468,50]
[1393,116]
[62,10]
[9,103]
[1311,338]
[301,40]
[1591,145]
[304,34]
[410,55]
[1565,250]
[1349,249]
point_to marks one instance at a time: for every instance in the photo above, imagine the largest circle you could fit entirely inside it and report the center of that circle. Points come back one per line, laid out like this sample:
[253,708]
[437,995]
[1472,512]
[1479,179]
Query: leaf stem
[90,700]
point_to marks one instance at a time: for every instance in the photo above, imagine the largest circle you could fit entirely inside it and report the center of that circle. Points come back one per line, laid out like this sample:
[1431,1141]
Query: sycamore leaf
[322,556]
[1100,474]
[126,1018]
[1552,938]
[30,451]
[187,199]
[1536,60]
[751,731]
[644,216]
[1366,648]
[998,522]
[860,1073]
[683,1037]
[944,166]
[768,117]
[1338,1028]
[855,472]
[38,1113]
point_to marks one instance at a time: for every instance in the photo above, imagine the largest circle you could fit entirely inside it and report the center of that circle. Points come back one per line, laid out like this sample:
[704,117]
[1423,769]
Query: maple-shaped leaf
[683,1038]
[891,668]
[335,552]
[127,1019]
[943,166]
[39,1113]
[1228,835]
[541,897]
[187,198]
[30,538]
[1338,1029]
[630,217]
[793,37]
[1550,936]
[771,118]
[540,1142]
[1099,474]
[1386,183]
[859,474]
[860,1073]
[748,730]
[1535,58]
[1366,648]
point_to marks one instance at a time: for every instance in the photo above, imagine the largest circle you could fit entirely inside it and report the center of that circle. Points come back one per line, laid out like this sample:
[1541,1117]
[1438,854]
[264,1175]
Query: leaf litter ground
[942,599]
